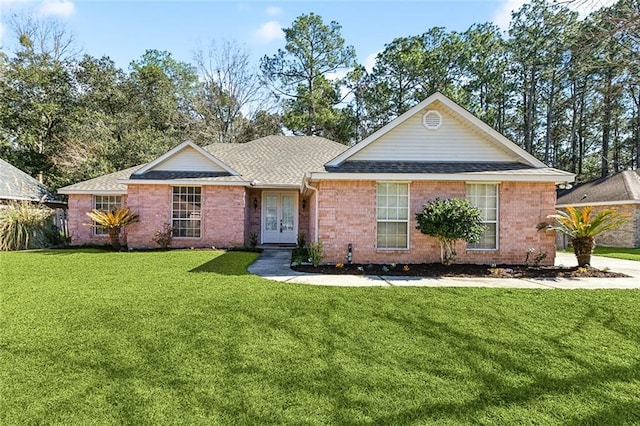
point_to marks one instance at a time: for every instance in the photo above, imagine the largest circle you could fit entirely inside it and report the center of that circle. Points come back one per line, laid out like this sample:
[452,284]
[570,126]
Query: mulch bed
[461,271]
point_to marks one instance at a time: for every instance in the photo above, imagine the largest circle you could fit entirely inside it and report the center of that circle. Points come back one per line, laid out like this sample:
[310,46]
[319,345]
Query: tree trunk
[550,119]
[114,236]
[606,124]
[583,247]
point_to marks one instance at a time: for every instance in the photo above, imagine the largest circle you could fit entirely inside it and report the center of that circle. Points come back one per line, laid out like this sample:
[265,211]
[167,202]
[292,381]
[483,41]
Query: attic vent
[431,120]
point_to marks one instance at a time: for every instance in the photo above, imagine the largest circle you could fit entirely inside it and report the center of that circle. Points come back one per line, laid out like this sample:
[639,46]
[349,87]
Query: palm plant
[582,228]
[113,221]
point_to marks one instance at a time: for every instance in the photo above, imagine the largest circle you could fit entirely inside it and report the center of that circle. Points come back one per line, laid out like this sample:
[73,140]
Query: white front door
[279,217]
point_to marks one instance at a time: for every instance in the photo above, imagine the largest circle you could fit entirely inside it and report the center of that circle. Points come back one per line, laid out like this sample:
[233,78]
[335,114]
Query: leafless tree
[232,89]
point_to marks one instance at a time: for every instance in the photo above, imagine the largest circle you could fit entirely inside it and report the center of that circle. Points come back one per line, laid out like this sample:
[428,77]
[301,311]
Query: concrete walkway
[274,263]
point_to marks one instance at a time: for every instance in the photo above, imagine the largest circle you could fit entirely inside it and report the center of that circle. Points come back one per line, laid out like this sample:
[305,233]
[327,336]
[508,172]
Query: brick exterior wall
[347,214]
[304,216]
[221,208]
[626,235]
[222,217]
[253,214]
[77,220]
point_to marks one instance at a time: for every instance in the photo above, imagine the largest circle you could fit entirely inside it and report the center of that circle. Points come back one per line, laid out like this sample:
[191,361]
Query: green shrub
[164,236]
[253,240]
[302,240]
[316,253]
[24,226]
[449,221]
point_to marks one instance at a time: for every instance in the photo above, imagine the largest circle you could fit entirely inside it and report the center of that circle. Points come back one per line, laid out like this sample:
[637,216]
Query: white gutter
[315,190]
[91,192]
[182,182]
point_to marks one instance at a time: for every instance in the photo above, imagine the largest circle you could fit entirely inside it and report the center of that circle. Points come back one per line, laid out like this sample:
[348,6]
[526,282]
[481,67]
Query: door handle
[280,226]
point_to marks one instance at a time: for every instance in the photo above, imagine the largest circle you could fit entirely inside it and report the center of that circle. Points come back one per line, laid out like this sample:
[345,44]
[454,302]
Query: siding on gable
[189,160]
[453,141]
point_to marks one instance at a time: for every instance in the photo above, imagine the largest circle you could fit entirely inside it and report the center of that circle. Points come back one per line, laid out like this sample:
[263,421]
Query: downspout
[315,190]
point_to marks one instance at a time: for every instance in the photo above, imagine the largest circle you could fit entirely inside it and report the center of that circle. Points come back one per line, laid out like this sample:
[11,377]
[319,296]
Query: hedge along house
[213,196]
[367,197]
[363,198]
[620,192]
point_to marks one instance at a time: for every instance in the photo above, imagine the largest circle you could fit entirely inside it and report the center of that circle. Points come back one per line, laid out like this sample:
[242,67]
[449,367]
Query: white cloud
[268,32]
[370,61]
[273,11]
[59,8]
[586,7]
[502,16]
[338,74]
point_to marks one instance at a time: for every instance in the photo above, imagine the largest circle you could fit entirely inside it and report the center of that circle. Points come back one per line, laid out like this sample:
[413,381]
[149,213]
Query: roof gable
[460,136]
[186,157]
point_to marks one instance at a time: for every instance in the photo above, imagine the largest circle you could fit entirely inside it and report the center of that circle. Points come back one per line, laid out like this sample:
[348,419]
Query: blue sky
[123,30]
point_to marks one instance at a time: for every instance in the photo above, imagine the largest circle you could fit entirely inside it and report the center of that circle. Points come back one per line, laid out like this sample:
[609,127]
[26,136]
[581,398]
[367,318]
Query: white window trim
[95,196]
[408,221]
[171,217]
[497,221]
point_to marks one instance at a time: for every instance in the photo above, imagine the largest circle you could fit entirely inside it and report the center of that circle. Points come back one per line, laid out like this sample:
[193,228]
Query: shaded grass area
[89,337]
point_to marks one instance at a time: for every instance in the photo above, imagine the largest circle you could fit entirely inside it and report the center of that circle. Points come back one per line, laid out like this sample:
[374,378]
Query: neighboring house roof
[621,188]
[269,161]
[438,140]
[18,185]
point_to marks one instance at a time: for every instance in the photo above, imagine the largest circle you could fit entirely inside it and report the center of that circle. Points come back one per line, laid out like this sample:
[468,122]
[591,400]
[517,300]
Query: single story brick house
[620,192]
[365,196]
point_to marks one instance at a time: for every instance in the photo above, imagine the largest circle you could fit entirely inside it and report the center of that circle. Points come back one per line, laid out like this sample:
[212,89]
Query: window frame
[175,219]
[495,221]
[407,221]
[101,231]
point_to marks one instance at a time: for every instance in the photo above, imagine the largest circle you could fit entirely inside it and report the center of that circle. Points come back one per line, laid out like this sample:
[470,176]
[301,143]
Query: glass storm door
[279,217]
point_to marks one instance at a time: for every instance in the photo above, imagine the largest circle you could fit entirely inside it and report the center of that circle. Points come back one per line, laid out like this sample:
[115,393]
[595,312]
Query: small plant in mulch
[164,236]
[316,253]
[461,270]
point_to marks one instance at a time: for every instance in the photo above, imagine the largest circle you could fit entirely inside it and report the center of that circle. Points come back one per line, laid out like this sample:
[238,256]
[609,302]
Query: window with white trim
[105,203]
[484,196]
[392,213]
[185,211]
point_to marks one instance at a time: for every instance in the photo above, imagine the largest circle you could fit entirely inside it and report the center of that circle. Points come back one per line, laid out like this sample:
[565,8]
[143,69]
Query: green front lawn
[618,252]
[615,252]
[187,337]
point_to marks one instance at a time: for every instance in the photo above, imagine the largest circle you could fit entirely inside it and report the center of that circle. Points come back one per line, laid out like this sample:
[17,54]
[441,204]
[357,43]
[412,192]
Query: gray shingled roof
[278,160]
[105,183]
[623,186]
[424,167]
[272,160]
[17,185]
